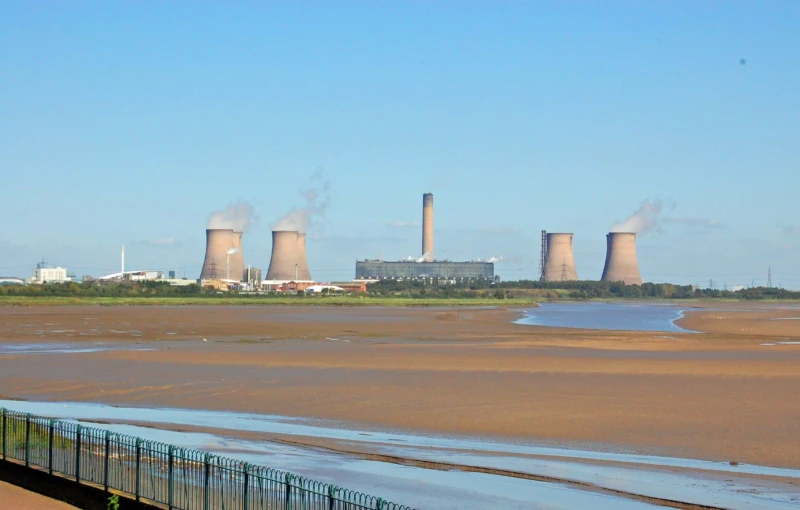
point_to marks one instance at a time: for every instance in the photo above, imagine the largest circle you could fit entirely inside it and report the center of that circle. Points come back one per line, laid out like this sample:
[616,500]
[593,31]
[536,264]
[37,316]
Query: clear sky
[130,122]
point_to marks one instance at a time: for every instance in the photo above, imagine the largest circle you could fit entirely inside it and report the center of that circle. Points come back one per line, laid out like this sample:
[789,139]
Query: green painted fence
[179,478]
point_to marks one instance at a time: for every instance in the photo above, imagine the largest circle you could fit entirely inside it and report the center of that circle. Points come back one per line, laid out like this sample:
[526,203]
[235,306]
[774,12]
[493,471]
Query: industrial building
[426,266]
[378,269]
[45,274]
[252,276]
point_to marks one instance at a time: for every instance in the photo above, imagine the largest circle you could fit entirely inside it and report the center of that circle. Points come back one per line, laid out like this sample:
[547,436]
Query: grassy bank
[259,301]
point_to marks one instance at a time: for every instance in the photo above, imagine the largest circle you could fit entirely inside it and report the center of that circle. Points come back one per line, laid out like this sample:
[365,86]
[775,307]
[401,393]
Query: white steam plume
[645,219]
[498,258]
[238,216]
[317,197]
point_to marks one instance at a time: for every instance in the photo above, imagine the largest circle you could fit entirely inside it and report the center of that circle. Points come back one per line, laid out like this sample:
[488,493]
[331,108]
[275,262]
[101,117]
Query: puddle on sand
[608,316]
[66,348]
[705,483]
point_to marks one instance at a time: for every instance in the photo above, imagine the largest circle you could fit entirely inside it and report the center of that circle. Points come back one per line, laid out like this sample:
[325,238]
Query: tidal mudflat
[716,396]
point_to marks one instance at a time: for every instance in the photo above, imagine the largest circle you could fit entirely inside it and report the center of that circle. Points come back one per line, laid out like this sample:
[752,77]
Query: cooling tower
[427,227]
[288,260]
[621,263]
[215,265]
[302,261]
[237,259]
[560,262]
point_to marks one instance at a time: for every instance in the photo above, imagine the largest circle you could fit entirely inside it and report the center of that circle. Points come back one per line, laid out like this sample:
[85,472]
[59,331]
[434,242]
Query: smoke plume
[317,199]
[645,219]
[238,216]
[498,258]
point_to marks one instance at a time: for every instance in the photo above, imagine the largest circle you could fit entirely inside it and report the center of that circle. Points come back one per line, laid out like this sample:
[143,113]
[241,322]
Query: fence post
[207,483]
[288,482]
[246,498]
[27,439]
[78,454]
[108,452]
[379,504]
[171,471]
[5,433]
[50,439]
[331,496]
[138,468]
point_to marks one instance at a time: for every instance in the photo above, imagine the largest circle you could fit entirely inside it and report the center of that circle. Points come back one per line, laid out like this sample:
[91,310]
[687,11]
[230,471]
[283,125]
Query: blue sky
[130,122]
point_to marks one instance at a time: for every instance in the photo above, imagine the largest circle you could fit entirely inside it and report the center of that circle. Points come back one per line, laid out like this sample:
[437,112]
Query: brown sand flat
[16,498]
[777,321]
[720,395]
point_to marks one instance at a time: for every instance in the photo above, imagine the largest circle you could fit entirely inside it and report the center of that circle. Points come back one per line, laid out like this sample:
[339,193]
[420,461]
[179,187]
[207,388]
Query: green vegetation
[264,300]
[113,502]
[156,293]
[151,293]
[99,289]
[536,290]
[384,293]
[39,438]
[618,290]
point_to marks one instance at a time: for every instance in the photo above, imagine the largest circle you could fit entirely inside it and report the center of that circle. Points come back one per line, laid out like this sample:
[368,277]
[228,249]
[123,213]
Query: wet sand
[721,395]
[780,321]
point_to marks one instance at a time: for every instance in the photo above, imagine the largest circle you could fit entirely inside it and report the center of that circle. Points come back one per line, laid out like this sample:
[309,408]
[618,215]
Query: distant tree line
[573,290]
[423,289]
[435,288]
[97,288]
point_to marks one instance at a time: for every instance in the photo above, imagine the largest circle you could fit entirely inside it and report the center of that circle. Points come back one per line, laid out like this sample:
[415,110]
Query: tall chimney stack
[427,227]
[621,262]
[559,259]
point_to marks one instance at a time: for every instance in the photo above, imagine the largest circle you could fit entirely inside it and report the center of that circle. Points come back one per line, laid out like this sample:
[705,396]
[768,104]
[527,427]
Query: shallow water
[67,348]
[612,316]
[703,482]
[276,424]
[417,487]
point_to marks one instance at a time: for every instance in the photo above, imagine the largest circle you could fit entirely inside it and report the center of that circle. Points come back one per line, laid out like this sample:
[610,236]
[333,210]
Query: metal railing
[179,478]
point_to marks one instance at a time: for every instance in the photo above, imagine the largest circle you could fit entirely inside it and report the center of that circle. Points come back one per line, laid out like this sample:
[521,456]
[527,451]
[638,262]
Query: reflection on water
[618,316]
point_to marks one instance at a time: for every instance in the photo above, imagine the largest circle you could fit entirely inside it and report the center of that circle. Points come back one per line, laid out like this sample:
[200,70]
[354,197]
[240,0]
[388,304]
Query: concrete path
[15,498]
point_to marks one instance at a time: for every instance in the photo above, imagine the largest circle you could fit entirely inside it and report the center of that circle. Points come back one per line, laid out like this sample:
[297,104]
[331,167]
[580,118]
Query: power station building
[380,270]
[426,266]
